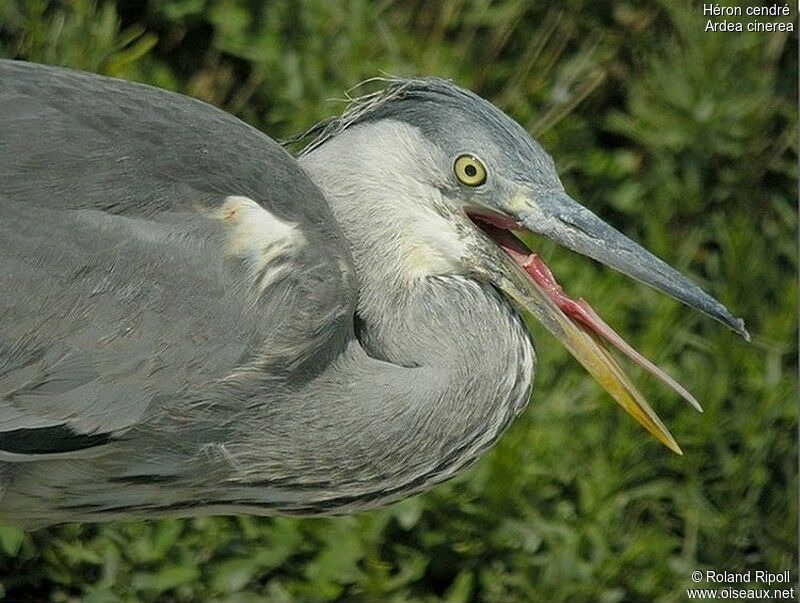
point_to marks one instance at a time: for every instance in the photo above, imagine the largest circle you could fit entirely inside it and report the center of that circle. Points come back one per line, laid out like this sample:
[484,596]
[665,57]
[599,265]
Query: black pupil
[470,170]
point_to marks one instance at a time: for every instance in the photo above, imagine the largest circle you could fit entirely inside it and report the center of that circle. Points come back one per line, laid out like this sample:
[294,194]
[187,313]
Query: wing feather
[151,245]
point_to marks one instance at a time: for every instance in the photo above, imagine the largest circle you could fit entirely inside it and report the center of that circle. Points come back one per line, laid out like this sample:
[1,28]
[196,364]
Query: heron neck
[398,229]
[442,363]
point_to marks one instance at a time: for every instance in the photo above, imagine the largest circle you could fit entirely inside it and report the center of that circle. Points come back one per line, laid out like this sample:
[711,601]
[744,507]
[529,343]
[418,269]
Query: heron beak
[562,219]
[528,282]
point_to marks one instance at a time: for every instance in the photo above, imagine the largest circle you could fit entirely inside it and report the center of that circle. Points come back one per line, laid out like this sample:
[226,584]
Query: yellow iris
[470,170]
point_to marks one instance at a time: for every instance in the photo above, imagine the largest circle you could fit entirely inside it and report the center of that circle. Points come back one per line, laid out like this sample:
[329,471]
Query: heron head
[453,151]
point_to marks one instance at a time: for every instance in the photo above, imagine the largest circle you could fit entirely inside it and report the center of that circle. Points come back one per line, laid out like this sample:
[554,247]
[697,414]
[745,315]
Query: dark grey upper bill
[570,224]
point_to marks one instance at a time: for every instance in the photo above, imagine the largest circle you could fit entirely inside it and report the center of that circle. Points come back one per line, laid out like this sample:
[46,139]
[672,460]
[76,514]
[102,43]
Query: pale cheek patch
[262,240]
[433,247]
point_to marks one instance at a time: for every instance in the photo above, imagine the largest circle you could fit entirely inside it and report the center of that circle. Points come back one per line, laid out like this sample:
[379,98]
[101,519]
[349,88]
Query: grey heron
[194,321]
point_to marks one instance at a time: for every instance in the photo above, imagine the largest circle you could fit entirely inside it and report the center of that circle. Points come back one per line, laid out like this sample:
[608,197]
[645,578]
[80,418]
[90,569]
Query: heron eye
[469,170]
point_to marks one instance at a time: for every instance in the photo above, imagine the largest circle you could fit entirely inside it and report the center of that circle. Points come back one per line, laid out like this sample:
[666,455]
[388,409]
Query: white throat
[409,231]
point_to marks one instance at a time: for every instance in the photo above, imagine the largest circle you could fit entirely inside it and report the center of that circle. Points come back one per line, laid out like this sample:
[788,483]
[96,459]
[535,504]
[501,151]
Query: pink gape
[579,311]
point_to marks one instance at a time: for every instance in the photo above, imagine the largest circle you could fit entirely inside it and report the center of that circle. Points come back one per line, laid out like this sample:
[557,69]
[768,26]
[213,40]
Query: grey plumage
[447,114]
[193,321]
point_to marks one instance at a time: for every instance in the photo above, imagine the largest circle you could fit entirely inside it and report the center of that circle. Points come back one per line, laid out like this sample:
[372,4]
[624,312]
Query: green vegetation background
[685,140]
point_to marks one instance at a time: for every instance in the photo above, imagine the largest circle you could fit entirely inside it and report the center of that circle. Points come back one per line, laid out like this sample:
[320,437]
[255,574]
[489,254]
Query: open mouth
[578,312]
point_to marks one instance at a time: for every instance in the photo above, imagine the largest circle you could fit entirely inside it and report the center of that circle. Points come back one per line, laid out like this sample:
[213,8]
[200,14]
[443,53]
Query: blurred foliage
[686,140]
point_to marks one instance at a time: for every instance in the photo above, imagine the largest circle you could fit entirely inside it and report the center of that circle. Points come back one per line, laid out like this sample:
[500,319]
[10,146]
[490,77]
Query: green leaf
[11,538]
[165,579]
